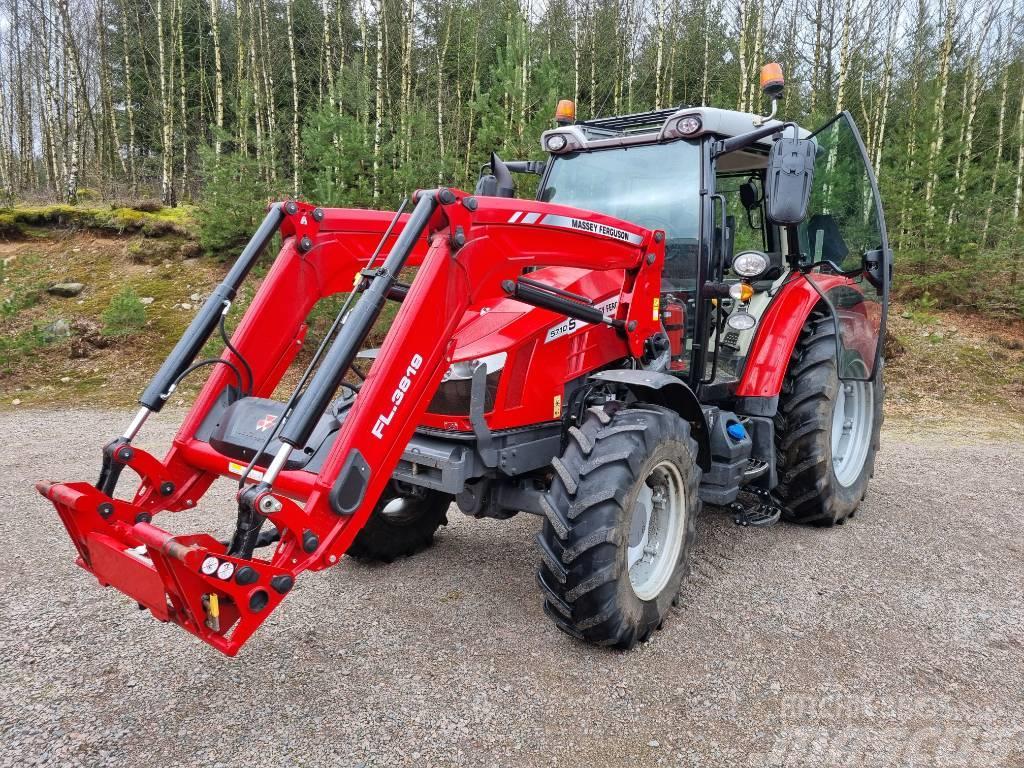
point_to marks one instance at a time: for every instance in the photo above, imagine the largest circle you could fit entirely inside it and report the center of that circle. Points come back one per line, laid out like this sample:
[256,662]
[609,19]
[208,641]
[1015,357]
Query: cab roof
[659,125]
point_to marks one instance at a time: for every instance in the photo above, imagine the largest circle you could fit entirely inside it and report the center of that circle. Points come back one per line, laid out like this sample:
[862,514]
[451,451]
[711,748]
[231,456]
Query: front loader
[603,357]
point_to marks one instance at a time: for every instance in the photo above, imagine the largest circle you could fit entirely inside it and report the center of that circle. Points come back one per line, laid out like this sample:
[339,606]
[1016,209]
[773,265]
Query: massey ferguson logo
[397,396]
[266,422]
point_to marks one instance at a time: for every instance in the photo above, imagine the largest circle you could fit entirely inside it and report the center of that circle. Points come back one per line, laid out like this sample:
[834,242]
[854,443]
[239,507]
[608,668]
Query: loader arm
[477,246]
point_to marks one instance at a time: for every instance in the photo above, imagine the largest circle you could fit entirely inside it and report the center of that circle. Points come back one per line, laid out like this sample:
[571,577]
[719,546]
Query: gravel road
[893,640]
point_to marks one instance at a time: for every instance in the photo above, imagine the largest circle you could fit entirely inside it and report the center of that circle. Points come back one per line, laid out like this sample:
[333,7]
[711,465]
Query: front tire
[621,515]
[826,431]
[402,523]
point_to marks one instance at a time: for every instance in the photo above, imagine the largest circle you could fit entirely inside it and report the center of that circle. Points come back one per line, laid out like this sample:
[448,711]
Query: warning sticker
[238,469]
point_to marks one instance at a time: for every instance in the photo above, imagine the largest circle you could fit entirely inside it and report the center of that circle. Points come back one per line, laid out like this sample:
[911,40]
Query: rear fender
[669,392]
[778,333]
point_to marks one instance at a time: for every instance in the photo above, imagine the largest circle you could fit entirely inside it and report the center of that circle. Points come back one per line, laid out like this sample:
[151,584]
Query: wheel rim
[656,531]
[852,417]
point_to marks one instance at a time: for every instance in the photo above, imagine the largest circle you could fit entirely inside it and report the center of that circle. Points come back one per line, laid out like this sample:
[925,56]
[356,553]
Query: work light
[556,142]
[689,125]
[741,320]
[750,264]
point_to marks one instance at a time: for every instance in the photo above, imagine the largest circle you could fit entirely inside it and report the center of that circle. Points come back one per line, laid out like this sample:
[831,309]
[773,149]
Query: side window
[746,224]
[844,233]
[842,218]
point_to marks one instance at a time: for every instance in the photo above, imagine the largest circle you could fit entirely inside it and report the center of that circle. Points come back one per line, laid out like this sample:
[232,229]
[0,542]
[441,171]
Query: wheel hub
[852,426]
[656,531]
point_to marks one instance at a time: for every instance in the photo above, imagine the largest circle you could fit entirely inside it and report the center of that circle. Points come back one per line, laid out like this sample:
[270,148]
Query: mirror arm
[535,167]
[746,139]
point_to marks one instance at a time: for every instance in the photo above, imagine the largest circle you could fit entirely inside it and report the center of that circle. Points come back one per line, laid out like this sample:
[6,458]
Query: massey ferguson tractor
[688,312]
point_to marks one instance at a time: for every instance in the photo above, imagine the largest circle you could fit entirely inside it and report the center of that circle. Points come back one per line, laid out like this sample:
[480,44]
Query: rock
[58,329]
[196,297]
[66,290]
[65,379]
[186,305]
[15,401]
[147,300]
[906,315]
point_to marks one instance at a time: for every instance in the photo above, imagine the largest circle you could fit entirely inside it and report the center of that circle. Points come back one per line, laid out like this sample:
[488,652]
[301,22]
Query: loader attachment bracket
[188,580]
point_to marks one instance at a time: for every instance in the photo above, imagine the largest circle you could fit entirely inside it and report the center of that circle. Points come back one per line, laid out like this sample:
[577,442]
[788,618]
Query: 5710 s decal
[571,324]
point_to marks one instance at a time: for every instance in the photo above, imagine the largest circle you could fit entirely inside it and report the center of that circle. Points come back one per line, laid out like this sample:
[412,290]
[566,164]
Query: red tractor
[689,311]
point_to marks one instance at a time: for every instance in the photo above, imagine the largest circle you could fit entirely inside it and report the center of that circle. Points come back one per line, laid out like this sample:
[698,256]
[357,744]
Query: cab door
[844,241]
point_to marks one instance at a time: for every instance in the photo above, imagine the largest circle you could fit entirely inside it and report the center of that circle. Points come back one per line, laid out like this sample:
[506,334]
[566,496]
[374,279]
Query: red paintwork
[780,325]
[441,320]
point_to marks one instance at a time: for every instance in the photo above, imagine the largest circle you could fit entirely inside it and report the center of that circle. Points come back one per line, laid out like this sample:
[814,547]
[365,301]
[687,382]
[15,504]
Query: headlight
[741,320]
[455,392]
[750,264]
[555,142]
[689,125]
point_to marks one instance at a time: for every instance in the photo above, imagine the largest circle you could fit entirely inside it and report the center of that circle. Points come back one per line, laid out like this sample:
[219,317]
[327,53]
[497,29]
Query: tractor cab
[746,203]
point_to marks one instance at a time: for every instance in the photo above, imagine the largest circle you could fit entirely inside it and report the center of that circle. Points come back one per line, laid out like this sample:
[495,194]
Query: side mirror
[788,180]
[875,262]
[495,179]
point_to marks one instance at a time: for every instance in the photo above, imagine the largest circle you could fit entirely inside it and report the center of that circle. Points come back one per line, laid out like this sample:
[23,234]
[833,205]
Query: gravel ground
[893,640]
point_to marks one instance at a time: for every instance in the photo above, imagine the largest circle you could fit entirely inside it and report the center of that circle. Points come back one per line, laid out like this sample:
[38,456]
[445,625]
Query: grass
[150,221]
[125,315]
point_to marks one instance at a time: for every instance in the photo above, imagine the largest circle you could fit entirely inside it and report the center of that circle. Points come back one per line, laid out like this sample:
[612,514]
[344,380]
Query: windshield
[653,185]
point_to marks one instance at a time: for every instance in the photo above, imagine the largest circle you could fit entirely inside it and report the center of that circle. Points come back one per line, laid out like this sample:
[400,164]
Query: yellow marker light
[656,310]
[772,81]
[565,112]
[741,291]
[214,606]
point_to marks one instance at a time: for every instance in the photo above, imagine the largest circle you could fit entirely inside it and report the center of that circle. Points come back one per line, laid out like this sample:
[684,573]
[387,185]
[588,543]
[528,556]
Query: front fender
[778,332]
[669,392]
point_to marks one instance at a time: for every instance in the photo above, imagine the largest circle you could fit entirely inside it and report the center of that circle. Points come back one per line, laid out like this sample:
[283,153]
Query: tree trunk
[378,117]
[218,74]
[1004,85]
[939,115]
[296,170]
[166,114]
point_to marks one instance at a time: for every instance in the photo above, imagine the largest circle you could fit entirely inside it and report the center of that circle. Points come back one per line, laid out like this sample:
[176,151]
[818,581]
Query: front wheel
[827,430]
[621,514]
[402,523]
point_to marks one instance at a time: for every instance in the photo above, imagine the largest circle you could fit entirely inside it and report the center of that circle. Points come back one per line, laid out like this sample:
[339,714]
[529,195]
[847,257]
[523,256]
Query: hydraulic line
[239,355]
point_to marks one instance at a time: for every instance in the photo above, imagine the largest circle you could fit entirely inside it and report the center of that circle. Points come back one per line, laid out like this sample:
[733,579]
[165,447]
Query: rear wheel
[402,523]
[620,524]
[827,431]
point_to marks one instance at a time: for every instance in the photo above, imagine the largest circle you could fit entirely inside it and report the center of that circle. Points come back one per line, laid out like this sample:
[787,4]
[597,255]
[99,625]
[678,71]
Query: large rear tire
[402,523]
[621,515]
[826,431]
